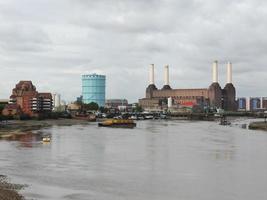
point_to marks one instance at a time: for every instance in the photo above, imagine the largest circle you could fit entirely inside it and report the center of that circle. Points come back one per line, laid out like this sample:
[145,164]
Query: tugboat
[118,123]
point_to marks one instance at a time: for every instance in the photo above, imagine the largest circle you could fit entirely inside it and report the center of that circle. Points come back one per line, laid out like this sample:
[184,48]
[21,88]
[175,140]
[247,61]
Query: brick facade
[29,101]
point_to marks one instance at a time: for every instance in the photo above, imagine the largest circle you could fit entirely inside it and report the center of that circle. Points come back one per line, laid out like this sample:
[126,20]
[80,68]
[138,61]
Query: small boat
[224,121]
[86,117]
[149,117]
[140,117]
[118,123]
[163,116]
[46,139]
[134,117]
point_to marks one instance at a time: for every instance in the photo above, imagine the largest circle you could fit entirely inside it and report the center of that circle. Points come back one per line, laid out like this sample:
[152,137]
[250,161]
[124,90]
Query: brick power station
[213,97]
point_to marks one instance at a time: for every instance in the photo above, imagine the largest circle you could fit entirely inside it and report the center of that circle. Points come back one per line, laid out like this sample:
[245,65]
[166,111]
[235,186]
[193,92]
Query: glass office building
[242,102]
[255,103]
[94,89]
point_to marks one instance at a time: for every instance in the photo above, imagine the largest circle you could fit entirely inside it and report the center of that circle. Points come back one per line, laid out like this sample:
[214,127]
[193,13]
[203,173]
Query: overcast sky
[54,42]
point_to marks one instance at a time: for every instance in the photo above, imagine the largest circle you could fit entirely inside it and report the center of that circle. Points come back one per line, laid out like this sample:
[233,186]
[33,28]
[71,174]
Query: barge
[118,123]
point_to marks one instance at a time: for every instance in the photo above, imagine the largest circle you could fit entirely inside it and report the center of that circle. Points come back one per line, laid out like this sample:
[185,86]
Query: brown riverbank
[16,126]
[9,191]
[258,126]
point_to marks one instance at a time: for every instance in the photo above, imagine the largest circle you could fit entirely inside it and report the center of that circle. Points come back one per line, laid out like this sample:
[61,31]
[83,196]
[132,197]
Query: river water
[158,160]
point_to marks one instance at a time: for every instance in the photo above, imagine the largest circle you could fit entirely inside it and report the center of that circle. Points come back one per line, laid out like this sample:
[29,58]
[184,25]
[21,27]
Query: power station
[212,97]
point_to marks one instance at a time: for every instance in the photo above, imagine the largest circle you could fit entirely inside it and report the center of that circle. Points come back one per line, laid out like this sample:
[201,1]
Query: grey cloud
[66,38]
[133,17]
[18,37]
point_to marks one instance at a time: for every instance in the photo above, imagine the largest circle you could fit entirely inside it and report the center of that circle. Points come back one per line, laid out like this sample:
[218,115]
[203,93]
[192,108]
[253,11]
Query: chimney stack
[262,99]
[248,104]
[151,75]
[229,72]
[166,75]
[215,71]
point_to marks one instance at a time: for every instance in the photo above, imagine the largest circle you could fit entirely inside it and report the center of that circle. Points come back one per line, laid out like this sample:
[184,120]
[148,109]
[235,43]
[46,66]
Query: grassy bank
[9,191]
[258,126]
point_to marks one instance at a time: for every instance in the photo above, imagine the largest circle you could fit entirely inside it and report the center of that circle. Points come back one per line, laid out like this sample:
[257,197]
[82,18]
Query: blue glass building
[255,103]
[94,89]
[242,102]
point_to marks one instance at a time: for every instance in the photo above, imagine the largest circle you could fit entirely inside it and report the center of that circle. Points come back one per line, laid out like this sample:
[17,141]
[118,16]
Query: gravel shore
[9,191]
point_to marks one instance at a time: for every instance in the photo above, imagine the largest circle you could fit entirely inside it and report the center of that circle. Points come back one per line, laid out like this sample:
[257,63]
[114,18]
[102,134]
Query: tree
[138,108]
[2,106]
[103,109]
[90,106]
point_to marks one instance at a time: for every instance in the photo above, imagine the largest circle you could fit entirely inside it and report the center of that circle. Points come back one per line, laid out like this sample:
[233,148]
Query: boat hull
[117,125]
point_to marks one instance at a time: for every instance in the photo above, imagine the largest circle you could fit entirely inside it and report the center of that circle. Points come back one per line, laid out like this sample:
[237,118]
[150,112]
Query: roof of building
[25,85]
[4,100]
[115,100]
[12,96]
[12,106]
[45,95]
[93,75]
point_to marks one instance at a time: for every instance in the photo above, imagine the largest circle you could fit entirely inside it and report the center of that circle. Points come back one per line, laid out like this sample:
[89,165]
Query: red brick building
[213,97]
[11,110]
[27,98]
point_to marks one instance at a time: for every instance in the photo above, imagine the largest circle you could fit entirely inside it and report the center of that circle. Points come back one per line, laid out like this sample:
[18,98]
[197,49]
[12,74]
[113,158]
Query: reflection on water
[28,139]
[157,160]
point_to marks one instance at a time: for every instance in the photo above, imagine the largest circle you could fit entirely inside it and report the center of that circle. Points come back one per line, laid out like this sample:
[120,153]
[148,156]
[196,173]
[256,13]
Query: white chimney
[166,75]
[151,75]
[169,102]
[215,71]
[248,104]
[229,72]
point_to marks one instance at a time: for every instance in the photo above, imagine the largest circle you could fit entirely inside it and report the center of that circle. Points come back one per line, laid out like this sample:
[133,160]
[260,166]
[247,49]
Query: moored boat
[87,117]
[118,123]
[224,121]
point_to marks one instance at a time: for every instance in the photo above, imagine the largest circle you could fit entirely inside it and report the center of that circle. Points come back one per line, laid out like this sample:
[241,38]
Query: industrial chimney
[229,72]
[229,92]
[151,75]
[215,90]
[166,78]
[215,71]
[166,75]
[151,87]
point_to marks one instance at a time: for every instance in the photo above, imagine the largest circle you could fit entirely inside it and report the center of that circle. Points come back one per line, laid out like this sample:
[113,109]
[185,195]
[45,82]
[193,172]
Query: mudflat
[258,126]
[9,191]
[17,126]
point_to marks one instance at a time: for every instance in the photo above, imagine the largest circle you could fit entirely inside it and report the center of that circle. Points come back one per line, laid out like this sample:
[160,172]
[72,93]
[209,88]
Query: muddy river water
[158,160]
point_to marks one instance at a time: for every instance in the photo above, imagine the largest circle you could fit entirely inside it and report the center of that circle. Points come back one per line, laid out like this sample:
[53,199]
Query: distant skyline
[53,43]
